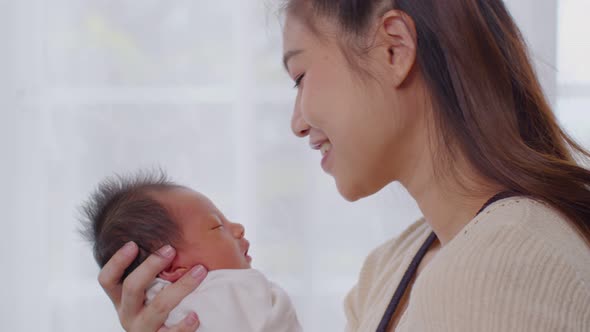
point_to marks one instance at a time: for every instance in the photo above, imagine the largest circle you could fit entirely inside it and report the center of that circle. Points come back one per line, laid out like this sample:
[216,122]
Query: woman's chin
[354,189]
[349,191]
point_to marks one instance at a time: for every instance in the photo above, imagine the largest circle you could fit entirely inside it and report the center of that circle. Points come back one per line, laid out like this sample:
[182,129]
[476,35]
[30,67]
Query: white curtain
[88,88]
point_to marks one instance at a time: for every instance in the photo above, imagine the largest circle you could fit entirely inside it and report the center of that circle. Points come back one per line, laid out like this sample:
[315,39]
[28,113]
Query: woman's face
[364,127]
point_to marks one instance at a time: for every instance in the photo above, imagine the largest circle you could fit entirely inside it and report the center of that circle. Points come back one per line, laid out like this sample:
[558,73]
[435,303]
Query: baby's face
[208,237]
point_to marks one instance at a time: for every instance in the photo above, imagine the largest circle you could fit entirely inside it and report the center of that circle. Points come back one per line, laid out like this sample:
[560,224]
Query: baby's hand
[129,297]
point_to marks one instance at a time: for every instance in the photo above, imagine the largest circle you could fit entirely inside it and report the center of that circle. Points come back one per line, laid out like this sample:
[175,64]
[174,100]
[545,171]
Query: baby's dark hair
[123,209]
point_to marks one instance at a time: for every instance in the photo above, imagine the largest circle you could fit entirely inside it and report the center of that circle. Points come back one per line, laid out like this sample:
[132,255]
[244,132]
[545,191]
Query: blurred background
[92,87]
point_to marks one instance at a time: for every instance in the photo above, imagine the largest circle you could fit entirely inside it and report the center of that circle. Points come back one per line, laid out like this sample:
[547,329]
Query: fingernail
[166,251]
[198,271]
[191,319]
[128,248]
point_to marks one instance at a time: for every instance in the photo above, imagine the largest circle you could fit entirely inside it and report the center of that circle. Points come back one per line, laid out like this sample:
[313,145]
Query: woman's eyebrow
[288,55]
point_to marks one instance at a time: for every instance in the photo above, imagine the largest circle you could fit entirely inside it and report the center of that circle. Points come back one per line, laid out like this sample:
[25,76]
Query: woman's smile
[324,146]
[325,149]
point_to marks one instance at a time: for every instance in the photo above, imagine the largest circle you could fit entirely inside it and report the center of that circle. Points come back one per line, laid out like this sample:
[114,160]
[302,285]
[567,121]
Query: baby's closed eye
[215,222]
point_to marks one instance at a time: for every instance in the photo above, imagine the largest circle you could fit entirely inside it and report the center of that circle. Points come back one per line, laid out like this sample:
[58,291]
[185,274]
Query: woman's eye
[217,227]
[298,80]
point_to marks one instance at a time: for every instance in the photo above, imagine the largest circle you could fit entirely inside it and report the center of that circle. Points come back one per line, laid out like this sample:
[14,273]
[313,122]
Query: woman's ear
[172,273]
[398,41]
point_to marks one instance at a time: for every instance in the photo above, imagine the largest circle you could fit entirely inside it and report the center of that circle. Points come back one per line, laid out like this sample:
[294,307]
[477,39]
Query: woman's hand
[129,297]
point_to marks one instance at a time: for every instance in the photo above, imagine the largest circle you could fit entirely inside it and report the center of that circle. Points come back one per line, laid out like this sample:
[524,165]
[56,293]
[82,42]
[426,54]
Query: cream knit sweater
[518,266]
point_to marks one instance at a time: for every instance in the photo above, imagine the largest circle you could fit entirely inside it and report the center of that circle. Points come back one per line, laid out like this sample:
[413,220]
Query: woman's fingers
[168,298]
[138,281]
[189,324]
[110,275]
[129,297]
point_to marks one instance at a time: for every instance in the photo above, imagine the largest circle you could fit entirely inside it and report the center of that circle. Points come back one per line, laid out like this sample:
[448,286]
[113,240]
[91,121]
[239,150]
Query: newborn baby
[152,211]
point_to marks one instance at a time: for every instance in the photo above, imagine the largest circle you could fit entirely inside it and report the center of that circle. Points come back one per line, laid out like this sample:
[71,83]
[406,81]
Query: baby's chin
[237,262]
[241,265]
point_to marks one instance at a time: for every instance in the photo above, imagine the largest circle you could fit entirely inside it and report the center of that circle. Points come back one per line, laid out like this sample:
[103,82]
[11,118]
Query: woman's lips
[324,147]
[325,161]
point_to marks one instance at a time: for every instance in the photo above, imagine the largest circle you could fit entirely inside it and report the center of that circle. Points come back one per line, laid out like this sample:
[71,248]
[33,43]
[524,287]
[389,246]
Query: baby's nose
[238,230]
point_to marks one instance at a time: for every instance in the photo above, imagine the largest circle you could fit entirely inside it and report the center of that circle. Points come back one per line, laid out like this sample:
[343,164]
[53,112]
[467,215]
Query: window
[573,74]
[200,91]
[95,87]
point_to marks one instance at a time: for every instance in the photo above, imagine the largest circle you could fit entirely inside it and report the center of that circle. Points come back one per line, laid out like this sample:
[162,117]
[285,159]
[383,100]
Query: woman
[440,96]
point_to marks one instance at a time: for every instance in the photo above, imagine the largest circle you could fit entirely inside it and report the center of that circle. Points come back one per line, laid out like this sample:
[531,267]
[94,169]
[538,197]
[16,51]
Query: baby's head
[152,211]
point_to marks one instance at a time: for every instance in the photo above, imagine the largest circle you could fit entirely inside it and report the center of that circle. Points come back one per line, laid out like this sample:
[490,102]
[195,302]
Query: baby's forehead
[187,203]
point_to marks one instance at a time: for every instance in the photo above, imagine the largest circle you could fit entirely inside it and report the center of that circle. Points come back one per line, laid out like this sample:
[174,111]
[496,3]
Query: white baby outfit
[234,300]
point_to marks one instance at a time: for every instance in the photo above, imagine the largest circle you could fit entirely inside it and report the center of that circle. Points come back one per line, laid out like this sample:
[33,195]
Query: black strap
[411,271]
[399,292]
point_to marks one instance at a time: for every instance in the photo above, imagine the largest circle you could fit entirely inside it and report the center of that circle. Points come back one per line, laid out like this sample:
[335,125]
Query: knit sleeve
[509,281]
[351,310]
[356,300]
[379,277]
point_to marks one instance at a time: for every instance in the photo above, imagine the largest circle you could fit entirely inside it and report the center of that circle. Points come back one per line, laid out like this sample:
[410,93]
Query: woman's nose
[298,125]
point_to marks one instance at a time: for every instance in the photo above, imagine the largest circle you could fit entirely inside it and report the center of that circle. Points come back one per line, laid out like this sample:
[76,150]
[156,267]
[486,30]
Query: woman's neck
[446,205]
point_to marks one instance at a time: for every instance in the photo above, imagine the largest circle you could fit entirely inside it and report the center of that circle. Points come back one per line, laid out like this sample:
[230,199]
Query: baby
[153,211]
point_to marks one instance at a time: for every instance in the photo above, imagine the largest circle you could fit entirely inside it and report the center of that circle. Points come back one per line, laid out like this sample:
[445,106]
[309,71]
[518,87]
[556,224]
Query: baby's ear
[172,273]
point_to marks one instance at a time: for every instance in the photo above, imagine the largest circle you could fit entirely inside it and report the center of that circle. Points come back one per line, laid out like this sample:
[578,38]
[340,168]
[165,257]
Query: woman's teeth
[324,148]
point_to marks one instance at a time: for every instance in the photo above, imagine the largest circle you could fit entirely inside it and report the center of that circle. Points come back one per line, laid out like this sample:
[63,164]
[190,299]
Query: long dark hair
[489,104]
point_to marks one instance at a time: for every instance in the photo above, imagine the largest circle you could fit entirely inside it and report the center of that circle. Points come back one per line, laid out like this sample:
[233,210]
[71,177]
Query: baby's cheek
[239,259]
[228,254]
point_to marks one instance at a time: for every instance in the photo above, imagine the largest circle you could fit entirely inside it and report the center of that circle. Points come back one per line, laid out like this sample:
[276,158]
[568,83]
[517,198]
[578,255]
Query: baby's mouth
[248,258]
[247,247]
